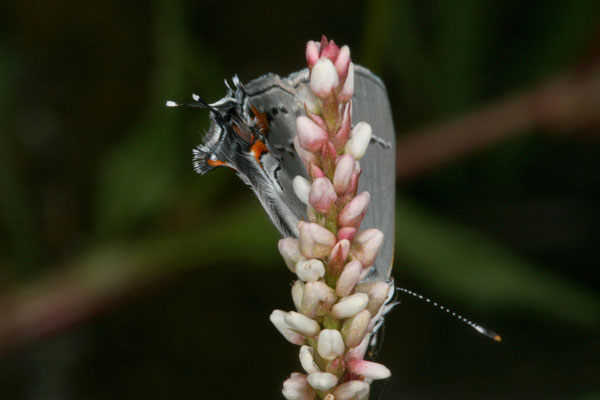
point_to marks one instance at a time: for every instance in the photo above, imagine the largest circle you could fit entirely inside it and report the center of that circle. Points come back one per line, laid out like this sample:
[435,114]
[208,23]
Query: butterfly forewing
[281,102]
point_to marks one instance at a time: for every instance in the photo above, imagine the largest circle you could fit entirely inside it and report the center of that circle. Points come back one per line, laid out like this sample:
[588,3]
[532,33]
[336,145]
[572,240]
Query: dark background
[123,275]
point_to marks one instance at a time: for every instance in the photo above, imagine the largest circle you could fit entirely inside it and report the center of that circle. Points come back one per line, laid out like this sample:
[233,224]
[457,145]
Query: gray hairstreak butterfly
[251,132]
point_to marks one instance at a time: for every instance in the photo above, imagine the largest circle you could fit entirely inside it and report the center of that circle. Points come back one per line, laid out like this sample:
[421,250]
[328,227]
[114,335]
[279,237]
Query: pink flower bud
[349,306]
[301,187]
[289,250]
[352,390]
[314,240]
[296,387]
[322,195]
[347,233]
[310,135]
[316,299]
[339,253]
[307,157]
[278,319]
[377,292]
[342,135]
[302,324]
[338,257]
[310,270]
[322,380]
[343,173]
[354,182]
[328,154]
[360,136]
[312,53]
[315,172]
[358,352]
[342,62]
[353,213]
[307,360]
[323,78]
[331,344]
[357,328]
[329,396]
[348,89]
[329,49]
[297,293]
[317,119]
[368,369]
[348,279]
[365,246]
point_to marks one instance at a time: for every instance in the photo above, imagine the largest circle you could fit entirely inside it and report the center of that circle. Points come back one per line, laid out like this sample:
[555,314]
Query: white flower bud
[349,306]
[310,135]
[315,241]
[352,390]
[348,279]
[323,78]
[368,369]
[322,195]
[359,140]
[307,359]
[306,156]
[301,187]
[322,380]
[296,387]
[348,89]
[302,324]
[377,292]
[315,295]
[357,328]
[344,169]
[297,293]
[365,246]
[310,270]
[289,250]
[353,213]
[331,344]
[278,319]
[358,352]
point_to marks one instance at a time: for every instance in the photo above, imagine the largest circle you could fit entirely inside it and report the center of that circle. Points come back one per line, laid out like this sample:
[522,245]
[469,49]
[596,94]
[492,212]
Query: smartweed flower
[335,313]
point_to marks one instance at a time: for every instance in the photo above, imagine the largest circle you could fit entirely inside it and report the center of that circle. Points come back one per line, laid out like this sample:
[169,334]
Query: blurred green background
[124,275]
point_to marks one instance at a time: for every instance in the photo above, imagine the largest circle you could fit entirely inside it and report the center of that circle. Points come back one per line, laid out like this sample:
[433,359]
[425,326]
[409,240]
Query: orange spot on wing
[258,149]
[261,119]
[216,163]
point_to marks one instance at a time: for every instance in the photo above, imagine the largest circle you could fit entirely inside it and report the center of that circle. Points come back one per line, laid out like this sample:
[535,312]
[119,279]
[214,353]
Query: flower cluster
[335,313]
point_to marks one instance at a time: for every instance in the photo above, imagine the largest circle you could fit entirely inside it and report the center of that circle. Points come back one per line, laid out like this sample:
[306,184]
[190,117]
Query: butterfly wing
[282,101]
[276,98]
[370,104]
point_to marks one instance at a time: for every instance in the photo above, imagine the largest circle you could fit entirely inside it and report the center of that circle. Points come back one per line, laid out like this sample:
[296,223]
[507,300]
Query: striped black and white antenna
[198,102]
[480,329]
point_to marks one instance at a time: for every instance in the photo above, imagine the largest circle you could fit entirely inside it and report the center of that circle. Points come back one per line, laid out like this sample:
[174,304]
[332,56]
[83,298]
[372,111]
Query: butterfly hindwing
[275,103]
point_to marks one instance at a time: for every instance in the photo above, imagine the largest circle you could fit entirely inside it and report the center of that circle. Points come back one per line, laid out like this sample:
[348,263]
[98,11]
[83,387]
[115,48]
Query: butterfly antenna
[484,331]
[198,102]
